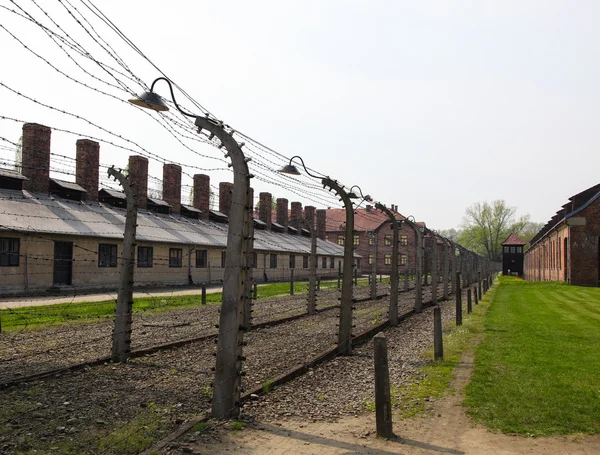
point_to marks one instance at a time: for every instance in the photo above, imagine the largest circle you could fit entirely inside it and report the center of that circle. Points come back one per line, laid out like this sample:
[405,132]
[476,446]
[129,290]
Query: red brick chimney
[282,213]
[172,186]
[36,157]
[321,223]
[138,178]
[265,208]
[88,167]
[225,191]
[202,194]
[296,215]
[309,214]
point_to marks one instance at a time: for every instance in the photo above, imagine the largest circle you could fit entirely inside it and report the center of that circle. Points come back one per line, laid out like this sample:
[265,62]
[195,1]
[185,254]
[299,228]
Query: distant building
[512,255]
[567,248]
[64,235]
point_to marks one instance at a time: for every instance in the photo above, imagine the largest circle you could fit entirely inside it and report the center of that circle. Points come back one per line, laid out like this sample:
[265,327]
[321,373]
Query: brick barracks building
[568,246]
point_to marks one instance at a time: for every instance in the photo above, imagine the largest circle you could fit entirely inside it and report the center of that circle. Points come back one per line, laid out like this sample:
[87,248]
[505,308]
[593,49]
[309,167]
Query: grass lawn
[538,369]
[415,397]
[37,317]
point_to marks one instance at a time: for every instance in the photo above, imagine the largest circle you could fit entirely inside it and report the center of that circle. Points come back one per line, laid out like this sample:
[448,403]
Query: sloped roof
[576,204]
[363,220]
[12,174]
[513,239]
[22,211]
[68,185]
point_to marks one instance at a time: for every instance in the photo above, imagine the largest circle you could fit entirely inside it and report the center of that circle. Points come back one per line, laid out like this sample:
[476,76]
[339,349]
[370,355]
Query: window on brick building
[340,240]
[358,263]
[331,263]
[404,240]
[388,259]
[273,261]
[145,257]
[356,240]
[107,255]
[403,259]
[370,240]
[323,262]
[201,258]
[175,257]
[9,252]
[387,240]
[370,259]
[292,261]
[304,262]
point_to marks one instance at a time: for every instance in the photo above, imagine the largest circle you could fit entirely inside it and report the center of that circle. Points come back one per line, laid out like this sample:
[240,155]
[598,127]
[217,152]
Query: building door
[63,263]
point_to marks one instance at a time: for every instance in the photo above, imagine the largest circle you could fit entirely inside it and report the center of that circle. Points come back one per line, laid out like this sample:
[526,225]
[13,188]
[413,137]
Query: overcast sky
[428,105]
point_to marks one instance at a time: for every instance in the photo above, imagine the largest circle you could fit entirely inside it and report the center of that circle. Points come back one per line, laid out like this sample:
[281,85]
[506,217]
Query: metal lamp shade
[289,169]
[150,100]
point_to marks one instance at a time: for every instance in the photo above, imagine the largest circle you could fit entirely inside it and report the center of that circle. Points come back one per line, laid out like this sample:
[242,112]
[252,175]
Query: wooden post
[479,284]
[383,402]
[469,304]
[438,343]
[458,300]
[204,294]
[292,282]
[475,294]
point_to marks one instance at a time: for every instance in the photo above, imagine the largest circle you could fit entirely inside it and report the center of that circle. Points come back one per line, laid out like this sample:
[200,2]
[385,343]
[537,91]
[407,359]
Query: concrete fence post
[292,282]
[204,294]
[121,346]
[475,295]
[383,401]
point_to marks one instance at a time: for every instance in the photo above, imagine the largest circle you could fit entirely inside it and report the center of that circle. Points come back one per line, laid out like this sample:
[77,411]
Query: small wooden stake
[383,401]
[438,344]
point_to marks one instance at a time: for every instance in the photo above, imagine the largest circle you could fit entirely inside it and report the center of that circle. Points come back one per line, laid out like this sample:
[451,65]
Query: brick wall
[138,178]
[172,186]
[225,195]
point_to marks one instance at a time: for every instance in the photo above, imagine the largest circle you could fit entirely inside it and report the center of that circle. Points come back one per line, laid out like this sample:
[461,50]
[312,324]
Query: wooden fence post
[204,294]
[469,305]
[458,300]
[292,282]
[438,343]
[383,402]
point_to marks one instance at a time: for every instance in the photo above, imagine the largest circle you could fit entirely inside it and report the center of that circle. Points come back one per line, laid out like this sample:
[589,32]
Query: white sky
[428,105]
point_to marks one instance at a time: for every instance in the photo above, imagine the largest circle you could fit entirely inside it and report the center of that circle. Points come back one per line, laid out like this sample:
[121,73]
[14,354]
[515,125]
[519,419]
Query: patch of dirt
[446,430]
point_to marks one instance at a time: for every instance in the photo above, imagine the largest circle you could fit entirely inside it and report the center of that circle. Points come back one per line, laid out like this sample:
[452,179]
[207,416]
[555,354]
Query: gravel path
[106,408]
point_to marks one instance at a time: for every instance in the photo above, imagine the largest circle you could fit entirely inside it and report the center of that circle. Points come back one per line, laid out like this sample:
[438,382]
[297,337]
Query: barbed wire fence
[59,386]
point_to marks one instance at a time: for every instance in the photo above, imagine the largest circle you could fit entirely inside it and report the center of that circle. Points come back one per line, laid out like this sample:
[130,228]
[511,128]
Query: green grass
[538,369]
[39,317]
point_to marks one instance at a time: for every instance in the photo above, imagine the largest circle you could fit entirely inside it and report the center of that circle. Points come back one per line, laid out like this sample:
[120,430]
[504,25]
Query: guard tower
[512,255]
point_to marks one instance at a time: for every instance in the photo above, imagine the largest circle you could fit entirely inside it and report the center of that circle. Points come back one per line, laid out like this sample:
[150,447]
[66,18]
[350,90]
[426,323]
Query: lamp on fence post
[345,325]
[394,273]
[410,220]
[236,280]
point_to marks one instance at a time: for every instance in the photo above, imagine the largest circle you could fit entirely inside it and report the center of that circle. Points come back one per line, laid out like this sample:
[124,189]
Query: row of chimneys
[36,166]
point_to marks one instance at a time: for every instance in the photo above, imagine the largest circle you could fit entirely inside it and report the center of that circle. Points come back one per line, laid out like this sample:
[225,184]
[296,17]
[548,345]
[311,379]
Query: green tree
[486,225]
[450,234]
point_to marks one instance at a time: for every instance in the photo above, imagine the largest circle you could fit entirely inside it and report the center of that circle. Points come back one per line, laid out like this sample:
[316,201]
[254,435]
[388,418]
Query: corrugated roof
[22,211]
[513,239]
[12,174]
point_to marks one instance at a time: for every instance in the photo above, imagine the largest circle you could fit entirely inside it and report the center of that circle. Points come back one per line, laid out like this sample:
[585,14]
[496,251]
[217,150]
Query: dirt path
[447,431]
